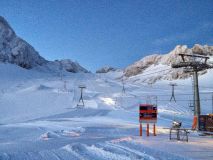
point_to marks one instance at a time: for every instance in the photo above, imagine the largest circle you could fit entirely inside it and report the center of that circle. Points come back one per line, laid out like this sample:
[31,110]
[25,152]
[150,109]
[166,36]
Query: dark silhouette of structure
[173,91]
[81,100]
[123,88]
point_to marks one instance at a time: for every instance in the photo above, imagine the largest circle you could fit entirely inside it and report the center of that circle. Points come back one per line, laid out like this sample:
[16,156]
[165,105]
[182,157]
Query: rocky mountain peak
[70,66]
[203,50]
[15,50]
[5,29]
[106,69]
[166,60]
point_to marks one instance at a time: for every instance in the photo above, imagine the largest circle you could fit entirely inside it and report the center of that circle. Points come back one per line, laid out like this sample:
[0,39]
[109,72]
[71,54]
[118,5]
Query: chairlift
[191,106]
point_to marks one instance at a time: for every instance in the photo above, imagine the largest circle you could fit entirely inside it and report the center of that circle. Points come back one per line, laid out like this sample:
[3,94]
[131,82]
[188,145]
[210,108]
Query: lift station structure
[194,63]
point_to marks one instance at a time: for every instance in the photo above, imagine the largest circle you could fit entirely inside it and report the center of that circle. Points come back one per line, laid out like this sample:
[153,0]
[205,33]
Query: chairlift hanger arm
[182,56]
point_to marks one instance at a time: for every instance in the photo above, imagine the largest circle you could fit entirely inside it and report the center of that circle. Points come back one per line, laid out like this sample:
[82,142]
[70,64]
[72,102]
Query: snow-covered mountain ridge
[106,69]
[41,118]
[162,64]
[17,51]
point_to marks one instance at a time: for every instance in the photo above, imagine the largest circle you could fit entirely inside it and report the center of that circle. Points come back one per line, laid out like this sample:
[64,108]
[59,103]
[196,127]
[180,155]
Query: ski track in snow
[50,127]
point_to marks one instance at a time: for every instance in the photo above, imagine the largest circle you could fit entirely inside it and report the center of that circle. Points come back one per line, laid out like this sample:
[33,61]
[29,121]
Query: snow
[40,119]
[15,50]
[160,65]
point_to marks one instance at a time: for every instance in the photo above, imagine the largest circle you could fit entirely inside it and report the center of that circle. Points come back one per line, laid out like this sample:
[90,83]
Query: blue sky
[109,32]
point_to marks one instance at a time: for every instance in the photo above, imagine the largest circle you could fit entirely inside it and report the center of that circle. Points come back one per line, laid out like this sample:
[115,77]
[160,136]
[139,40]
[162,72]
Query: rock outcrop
[161,64]
[105,69]
[17,51]
[70,66]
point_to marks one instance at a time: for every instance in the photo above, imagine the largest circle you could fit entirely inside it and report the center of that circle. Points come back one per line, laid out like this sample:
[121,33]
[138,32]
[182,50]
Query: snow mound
[49,135]
[43,87]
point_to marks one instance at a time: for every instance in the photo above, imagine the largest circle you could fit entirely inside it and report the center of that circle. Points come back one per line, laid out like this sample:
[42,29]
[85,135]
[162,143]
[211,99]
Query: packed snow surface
[40,119]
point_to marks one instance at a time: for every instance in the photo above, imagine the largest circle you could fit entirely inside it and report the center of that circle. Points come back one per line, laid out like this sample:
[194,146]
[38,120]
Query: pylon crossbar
[198,65]
[193,55]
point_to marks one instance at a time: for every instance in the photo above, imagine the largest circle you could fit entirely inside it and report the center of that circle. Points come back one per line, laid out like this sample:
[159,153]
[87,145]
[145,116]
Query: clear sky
[109,32]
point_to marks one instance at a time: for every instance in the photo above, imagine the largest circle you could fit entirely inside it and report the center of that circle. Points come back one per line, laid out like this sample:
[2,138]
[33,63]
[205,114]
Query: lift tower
[193,63]
[123,87]
[81,100]
[173,91]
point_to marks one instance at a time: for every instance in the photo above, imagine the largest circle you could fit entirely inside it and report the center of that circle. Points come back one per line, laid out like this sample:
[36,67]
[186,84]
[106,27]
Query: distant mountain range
[106,69]
[151,68]
[17,51]
[155,67]
[158,66]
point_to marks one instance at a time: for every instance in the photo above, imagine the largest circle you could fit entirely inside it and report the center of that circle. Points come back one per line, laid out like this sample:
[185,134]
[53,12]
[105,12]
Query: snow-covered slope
[156,67]
[17,51]
[39,117]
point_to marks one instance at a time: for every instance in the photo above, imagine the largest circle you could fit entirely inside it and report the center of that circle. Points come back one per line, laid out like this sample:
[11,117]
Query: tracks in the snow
[79,151]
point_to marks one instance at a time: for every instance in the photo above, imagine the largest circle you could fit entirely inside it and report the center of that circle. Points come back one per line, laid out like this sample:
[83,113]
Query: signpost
[148,114]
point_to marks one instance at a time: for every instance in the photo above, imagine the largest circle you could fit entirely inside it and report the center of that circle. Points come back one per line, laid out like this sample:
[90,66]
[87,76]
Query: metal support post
[197,97]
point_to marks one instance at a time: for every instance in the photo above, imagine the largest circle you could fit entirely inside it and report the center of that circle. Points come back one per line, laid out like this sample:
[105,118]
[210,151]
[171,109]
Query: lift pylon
[193,63]
[173,91]
[81,100]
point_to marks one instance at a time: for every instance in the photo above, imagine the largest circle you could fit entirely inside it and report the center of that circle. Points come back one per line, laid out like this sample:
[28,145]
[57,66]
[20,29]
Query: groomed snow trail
[40,121]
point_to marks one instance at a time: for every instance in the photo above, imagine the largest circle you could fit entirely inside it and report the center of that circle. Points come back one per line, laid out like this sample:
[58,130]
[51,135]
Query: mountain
[15,50]
[155,67]
[69,66]
[106,69]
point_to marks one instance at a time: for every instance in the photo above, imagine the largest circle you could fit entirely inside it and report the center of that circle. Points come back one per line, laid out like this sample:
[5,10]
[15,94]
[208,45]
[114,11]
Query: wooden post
[147,129]
[154,129]
[140,129]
